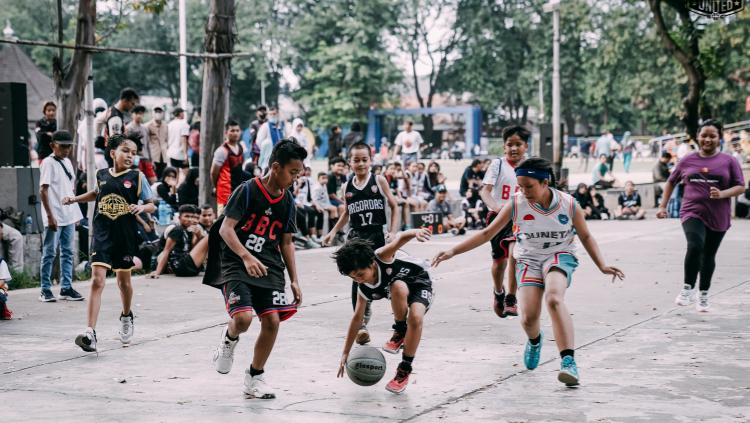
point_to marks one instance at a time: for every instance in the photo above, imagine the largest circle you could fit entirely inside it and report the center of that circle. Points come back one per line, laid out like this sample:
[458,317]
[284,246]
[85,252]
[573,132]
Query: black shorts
[375,236]
[184,266]
[114,247]
[500,243]
[420,292]
[241,297]
[178,164]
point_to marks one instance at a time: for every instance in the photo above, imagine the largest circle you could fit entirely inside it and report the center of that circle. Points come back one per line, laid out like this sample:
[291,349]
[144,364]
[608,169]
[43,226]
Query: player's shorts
[116,255]
[501,242]
[375,236]
[179,164]
[184,266]
[420,292]
[241,297]
[114,261]
[532,273]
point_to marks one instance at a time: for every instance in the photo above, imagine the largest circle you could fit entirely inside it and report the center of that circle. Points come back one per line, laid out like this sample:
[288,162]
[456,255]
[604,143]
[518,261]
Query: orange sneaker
[398,384]
[395,344]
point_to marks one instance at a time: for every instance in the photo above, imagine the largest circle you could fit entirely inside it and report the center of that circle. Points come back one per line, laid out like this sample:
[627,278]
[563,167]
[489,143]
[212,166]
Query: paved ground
[640,357]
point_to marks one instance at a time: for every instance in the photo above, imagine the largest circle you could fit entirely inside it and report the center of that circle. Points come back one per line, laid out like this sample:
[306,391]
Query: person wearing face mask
[299,134]
[157,140]
[269,134]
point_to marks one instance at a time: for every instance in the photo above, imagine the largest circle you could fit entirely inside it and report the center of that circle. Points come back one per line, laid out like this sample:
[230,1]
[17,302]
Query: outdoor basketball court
[640,357]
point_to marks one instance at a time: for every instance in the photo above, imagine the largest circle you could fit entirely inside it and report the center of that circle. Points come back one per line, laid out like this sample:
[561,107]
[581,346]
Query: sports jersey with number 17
[502,176]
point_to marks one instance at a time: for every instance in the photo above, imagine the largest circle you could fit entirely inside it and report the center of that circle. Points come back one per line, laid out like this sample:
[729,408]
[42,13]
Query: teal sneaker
[532,352]
[568,371]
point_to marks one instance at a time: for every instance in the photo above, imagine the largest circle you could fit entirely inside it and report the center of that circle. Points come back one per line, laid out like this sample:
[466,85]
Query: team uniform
[228,160]
[180,262]
[501,175]
[115,239]
[544,238]
[366,208]
[262,221]
[404,268]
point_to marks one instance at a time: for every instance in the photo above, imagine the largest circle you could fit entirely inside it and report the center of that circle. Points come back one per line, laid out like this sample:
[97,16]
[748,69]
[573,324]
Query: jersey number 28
[255,243]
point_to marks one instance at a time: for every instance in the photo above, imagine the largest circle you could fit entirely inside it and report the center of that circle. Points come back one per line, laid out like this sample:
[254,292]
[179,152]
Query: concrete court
[640,357]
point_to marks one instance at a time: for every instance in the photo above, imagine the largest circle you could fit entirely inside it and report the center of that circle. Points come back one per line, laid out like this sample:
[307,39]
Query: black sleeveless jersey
[112,218]
[411,270]
[262,221]
[366,206]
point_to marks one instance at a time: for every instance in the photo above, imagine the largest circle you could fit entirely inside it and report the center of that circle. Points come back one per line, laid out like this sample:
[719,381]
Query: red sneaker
[395,344]
[511,306]
[7,314]
[398,384]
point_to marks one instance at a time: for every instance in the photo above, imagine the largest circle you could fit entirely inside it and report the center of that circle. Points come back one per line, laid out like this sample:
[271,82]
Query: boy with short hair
[186,246]
[250,246]
[382,274]
[322,203]
[207,217]
[498,188]
[438,205]
[629,203]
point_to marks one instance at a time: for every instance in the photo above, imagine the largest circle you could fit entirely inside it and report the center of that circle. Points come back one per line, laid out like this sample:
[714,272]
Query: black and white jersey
[365,204]
[411,270]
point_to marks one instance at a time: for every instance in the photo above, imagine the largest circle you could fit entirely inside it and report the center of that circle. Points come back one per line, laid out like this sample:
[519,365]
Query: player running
[384,274]
[546,221]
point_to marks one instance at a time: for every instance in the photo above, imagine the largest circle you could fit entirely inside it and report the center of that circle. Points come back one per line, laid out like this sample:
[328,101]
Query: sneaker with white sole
[686,296]
[702,304]
[256,387]
[126,328]
[224,353]
[87,340]
[47,296]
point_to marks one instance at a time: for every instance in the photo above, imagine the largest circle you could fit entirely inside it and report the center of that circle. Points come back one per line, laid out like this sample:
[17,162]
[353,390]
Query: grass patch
[22,279]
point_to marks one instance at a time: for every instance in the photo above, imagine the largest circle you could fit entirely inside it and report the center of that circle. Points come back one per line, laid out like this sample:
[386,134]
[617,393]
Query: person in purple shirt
[711,178]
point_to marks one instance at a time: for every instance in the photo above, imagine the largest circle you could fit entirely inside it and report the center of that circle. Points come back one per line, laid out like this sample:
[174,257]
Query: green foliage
[22,279]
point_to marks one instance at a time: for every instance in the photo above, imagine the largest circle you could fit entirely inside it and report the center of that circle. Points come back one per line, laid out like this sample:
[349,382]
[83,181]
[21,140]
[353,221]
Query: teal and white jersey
[541,232]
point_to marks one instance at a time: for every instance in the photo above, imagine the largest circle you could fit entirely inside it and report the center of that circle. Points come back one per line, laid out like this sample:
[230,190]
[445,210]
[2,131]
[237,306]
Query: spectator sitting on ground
[166,189]
[415,181]
[322,203]
[433,179]
[473,210]
[187,191]
[629,203]
[599,210]
[11,246]
[394,175]
[584,200]
[472,177]
[439,205]
[660,174]
[377,170]
[207,218]
[306,213]
[5,313]
[186,246]
[602,177]
[335,195]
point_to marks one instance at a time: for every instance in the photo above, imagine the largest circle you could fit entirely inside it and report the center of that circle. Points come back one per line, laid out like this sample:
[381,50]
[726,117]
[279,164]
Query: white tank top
[502,176]
[541,233]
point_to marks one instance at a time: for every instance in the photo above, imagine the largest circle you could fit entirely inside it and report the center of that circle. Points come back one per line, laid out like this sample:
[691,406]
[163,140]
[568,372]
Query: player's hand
[254,267]
[153,275]
[390,236]
[442,256]
[422,234]
[51,223]
[68,200]
[297,292]
[326,241]
[342,365]
[615,272]
[136,208]
[715,193]
[662,213]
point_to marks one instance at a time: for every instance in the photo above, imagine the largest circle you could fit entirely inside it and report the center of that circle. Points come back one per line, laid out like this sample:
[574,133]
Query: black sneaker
[70,294]
[498,303]
[47,297]
[511,305]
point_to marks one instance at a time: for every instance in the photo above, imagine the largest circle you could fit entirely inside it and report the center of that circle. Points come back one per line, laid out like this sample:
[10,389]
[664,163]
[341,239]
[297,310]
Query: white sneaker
[126,328]
[256,387]
[702,304]
[224,353]
[87,340]
[686,296]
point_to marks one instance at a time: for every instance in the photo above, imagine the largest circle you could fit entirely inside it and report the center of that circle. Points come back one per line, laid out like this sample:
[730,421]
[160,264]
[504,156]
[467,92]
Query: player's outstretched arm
[351,334]
[83,198]
[589,243]
[287,253]
[482,237]
[388,251]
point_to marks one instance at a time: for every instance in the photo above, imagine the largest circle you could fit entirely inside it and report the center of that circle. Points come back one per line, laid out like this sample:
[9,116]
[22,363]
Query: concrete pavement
[641,358]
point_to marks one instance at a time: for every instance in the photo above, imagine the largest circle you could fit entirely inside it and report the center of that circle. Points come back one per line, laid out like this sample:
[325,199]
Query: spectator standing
[44,129]
[629,203]
[628,148]
[269,135]
[56,181]
[250,136]
[113,121]
[100,107]
[178,131]
[137,126]
[585,150]
[472,177]
[158,141]
[604,146]
[227,158]
[354,136]
[194,142]
[407,143]
[299,134]
[335,143]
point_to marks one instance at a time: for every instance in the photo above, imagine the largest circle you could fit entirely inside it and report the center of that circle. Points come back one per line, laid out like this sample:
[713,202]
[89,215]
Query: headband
[540,174]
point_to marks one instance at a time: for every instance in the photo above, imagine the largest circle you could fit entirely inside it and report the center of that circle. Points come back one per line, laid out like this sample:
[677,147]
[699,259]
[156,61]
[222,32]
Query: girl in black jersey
[366,197]
[382,274]
[118,192]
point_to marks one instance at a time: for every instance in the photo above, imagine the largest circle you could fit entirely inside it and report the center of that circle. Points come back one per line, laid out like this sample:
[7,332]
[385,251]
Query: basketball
[365,366]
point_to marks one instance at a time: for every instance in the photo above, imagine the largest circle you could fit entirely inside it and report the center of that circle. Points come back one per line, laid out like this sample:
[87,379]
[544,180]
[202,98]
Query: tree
[220,38]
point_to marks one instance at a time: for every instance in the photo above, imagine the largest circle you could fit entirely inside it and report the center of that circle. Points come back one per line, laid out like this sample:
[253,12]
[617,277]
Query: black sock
[536,340]
[232,339]
[500,295]
[400,326]
[510,299]
[563,353]
[406,363]
[254,372]
[130,314]
[407,358]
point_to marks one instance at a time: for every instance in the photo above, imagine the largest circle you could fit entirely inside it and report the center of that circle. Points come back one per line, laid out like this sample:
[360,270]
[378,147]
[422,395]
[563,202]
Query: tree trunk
[70,83]
[688,58]
[220,38]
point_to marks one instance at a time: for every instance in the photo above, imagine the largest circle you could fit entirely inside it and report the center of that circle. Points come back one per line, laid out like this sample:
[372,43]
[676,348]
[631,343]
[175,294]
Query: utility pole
[90,154]
[183,58]
[554,7]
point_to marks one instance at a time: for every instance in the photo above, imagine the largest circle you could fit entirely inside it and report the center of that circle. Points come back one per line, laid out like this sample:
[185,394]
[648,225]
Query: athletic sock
[254,372]
[510,299]
[563,353]
[406,362]
[130,314]
[537,340]
[400,326]
[500,294]
[232,339]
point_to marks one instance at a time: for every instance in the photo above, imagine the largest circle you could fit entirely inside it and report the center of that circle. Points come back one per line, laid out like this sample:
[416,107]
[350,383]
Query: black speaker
[14,132]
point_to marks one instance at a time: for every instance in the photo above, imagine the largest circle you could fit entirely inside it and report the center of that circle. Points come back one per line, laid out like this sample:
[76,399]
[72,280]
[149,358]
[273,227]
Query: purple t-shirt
[699,174]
